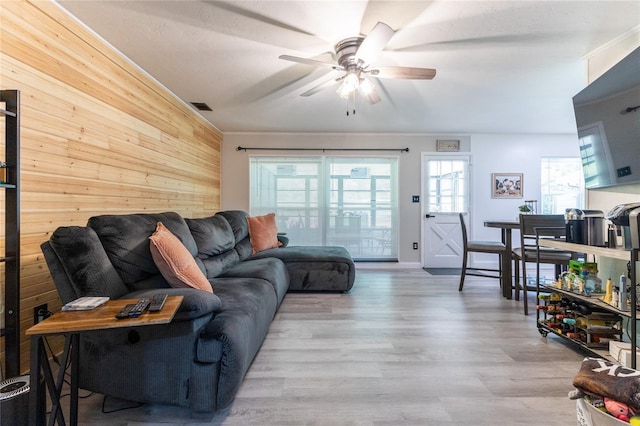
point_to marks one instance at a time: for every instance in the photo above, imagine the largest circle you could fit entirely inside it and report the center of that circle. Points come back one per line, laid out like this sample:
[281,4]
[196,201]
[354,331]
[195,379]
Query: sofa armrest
[284,240]
[195,304]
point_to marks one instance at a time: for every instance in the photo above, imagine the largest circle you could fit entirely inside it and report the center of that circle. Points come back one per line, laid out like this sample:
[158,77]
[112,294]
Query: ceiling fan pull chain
[354,102]
[351,103]
[352,98]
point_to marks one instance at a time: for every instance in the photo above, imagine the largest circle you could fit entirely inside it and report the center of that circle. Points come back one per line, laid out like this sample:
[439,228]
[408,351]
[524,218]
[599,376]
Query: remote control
[124,312]
[133,310]
[139,307]
[157,302]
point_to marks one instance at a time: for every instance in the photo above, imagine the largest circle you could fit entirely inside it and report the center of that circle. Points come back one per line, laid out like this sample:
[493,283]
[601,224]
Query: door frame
[424,157]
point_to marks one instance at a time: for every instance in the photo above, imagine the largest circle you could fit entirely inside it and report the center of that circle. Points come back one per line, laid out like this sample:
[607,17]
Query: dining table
[506,226]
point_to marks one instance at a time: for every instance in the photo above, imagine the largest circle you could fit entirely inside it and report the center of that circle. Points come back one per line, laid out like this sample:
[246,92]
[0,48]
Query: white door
[445,193]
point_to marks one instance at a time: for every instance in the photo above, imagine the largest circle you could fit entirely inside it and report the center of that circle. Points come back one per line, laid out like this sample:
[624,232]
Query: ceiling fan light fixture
[366,86]
[349,85]
[343,91]
[351,81]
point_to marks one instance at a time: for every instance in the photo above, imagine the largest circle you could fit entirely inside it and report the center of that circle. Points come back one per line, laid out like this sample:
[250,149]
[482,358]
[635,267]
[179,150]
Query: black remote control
[140,307]
[134,309]
[124,312]
[157,302]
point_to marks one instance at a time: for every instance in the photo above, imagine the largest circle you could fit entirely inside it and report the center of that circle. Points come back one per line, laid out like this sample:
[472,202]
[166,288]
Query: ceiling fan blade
[309,61]
[320,87]
[407,73]
[474,42]
[398,14]
[373,44]
[259,18]
[290,80]
[370,94]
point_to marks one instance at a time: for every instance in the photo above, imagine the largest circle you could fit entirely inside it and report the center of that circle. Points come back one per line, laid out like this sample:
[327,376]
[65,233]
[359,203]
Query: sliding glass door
[345,201]
[289,187]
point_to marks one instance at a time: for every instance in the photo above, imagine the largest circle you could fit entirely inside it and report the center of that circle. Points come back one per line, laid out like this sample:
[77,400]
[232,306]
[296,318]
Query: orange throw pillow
[175,262]
[263,232]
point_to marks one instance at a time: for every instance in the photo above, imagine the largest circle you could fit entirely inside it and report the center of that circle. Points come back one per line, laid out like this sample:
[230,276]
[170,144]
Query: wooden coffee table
[72,324]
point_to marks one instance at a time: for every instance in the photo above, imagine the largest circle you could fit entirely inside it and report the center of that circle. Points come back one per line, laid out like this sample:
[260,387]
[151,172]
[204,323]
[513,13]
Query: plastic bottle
[608,295]
[622,301]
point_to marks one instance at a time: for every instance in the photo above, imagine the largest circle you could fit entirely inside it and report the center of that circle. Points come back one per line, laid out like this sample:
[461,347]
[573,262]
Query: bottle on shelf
[3,172]
[622,297]
[612,238]
[608,294]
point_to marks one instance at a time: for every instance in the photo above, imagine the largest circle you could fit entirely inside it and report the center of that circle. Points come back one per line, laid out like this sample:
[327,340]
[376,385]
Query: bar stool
[494,247]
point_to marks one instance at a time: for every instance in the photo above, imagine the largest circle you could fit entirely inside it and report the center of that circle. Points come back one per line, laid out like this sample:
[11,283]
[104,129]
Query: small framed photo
[506,185]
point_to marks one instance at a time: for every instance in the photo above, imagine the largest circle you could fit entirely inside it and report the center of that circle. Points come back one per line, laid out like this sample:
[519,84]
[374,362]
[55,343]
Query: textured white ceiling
[502,66]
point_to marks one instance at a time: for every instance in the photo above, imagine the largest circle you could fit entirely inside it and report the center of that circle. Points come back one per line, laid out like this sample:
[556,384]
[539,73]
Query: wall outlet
[40,313]
[415,246]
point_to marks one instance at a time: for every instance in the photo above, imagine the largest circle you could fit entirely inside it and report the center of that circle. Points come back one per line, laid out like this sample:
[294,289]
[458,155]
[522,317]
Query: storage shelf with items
[589,316]
[10,259]
[570,317]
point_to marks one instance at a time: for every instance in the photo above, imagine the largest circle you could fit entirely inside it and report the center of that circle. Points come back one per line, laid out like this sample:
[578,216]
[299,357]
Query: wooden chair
[532,227]
[494,247]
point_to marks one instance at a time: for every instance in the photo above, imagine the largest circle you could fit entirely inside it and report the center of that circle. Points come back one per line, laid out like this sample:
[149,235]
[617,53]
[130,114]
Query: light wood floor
[404,347]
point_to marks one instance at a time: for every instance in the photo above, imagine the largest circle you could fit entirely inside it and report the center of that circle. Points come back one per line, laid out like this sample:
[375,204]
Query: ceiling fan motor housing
[346,52]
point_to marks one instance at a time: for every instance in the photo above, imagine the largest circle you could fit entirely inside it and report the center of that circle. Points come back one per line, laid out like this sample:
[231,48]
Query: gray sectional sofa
[200,359]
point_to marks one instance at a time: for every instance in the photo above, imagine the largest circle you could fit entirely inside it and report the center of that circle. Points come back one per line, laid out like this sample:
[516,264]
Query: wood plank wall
[98,135]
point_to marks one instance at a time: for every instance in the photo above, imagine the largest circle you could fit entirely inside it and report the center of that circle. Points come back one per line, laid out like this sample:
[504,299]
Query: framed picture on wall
[506,185]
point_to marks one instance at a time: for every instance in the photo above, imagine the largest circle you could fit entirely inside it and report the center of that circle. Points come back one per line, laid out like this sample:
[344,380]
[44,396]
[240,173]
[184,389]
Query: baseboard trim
[388,265]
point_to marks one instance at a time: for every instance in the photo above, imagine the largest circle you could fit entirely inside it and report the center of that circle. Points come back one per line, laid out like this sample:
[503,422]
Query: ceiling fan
[355,56]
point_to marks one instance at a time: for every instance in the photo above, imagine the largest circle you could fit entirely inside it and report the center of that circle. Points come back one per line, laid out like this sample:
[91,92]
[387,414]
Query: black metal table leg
[37,399]
[75,369]
[42,380]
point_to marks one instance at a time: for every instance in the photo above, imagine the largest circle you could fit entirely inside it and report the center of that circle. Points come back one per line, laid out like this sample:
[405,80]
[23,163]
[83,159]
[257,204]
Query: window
[447,184]
[345,201]
[562,184]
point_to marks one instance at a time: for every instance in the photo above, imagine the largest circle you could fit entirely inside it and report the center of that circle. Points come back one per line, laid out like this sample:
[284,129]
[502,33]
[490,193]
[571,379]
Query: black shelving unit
[632,315]
[11,255]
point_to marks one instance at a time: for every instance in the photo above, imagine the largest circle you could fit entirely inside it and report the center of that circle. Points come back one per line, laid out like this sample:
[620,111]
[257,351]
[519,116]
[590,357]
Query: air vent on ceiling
[201,106]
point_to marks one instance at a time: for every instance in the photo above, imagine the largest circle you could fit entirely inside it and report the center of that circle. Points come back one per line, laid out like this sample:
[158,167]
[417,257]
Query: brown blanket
[601,377]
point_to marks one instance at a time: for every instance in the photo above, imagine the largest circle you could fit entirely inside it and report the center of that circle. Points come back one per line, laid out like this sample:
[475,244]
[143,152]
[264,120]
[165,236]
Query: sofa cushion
[175,262]
[238,221]
[244,249]
[213,235]
[327,268]
[263,232]
[215,265]
[125,239]
[85,263]
[270,269]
